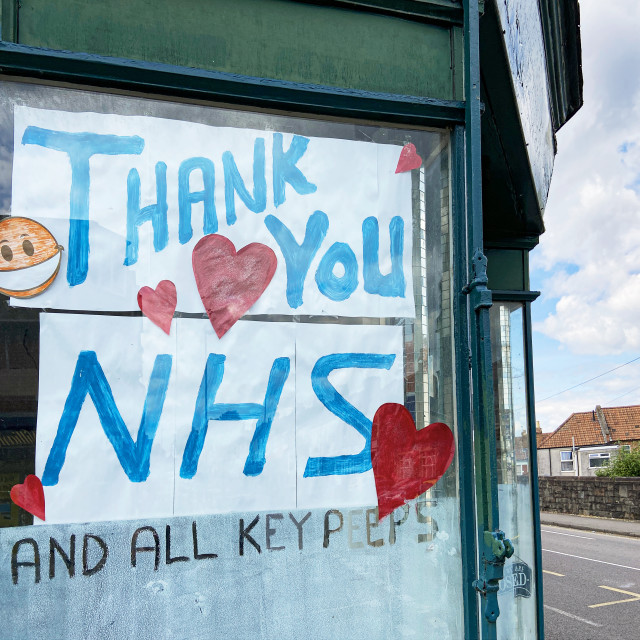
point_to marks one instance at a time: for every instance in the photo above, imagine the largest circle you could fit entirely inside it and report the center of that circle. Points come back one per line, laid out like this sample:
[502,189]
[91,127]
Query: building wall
[550,460]
[555,468]
[277,39]
[544,462]
[600,497]
[583,460]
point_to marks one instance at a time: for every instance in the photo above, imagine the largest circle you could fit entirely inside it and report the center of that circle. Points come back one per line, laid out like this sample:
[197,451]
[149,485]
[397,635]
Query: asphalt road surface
[591,585]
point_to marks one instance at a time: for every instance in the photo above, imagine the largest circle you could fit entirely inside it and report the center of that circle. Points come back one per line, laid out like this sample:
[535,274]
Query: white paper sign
[376,352]
[134,423]
[129,197]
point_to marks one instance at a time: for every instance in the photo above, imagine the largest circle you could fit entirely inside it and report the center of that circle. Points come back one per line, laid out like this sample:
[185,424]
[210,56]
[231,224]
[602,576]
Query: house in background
[586,441]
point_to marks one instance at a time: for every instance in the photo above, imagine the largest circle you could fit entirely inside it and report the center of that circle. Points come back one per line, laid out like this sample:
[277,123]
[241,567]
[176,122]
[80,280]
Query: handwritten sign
[130,196]
[286,570]
[161,416]
[135,423]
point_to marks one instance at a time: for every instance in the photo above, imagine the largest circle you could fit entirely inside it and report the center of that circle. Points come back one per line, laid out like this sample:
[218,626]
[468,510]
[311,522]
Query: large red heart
[30,496]
[406,462]
[229,283]
[159,305]
[409,159]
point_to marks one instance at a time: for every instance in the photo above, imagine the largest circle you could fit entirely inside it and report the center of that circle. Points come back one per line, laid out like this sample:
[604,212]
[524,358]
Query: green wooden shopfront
[266,365]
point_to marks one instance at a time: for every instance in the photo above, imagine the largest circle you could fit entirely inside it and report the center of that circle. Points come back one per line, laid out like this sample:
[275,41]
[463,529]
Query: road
[591,585]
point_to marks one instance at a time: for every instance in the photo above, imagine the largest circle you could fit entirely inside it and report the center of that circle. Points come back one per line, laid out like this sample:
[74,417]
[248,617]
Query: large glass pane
[239,307]
[517,595]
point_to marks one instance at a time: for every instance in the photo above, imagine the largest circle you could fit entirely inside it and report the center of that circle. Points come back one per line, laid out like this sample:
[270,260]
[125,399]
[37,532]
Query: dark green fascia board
[519,242]
[9,17]
[563,47]
[514,296]
[432,11]
[507,269]
[158,78]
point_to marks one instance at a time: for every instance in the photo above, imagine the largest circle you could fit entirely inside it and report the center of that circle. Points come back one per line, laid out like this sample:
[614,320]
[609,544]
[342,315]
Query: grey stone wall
[600,497]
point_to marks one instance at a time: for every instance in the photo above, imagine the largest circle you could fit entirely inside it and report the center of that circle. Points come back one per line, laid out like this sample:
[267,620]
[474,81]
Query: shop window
[566,461]
[517,606]
[134,395]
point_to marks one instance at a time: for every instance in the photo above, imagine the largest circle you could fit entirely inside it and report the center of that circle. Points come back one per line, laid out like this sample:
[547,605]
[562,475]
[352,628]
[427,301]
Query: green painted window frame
[216,88]
[526,298]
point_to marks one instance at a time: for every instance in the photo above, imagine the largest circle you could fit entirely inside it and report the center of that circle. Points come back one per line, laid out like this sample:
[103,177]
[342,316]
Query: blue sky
[587,266]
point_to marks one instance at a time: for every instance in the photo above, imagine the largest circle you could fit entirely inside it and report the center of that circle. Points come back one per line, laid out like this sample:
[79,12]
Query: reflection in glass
[517,595]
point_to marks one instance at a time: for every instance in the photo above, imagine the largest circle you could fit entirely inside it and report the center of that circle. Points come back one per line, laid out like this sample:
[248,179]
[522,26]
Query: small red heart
[409,159]
[229,283]
[159,304]
[30,496]
[406,462]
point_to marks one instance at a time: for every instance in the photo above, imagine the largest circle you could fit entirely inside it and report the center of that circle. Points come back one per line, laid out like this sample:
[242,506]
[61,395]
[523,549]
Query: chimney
[539,433]
[604,427]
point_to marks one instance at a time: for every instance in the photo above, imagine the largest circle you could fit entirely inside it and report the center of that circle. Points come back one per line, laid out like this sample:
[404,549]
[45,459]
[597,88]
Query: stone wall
[600,497]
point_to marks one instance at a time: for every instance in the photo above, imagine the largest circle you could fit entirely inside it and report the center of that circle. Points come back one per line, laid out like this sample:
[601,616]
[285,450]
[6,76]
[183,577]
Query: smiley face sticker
[29,257]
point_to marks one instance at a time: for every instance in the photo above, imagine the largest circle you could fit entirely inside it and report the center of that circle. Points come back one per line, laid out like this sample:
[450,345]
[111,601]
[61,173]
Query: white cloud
[588,261]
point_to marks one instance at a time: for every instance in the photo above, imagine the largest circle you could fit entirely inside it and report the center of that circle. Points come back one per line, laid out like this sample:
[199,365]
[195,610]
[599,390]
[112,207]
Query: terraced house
[586,441]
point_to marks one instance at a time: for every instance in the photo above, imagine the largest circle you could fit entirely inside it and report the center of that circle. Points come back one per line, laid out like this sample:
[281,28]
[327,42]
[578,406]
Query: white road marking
[571,615]
[566,534]
[613,564]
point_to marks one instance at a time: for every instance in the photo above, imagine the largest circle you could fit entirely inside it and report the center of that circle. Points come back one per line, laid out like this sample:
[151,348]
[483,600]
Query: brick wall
[600,497]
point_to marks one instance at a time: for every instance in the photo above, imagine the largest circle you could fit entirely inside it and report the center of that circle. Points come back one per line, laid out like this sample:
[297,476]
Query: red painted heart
[409,159]
[229,283]
[406,462]
[160,304]
[30,496]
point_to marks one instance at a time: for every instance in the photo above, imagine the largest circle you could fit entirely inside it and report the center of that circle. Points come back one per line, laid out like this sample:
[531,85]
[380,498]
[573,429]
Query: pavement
[588,523]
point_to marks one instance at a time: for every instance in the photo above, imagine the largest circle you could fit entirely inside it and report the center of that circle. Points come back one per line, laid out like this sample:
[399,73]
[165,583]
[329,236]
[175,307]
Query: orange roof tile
[584,428]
